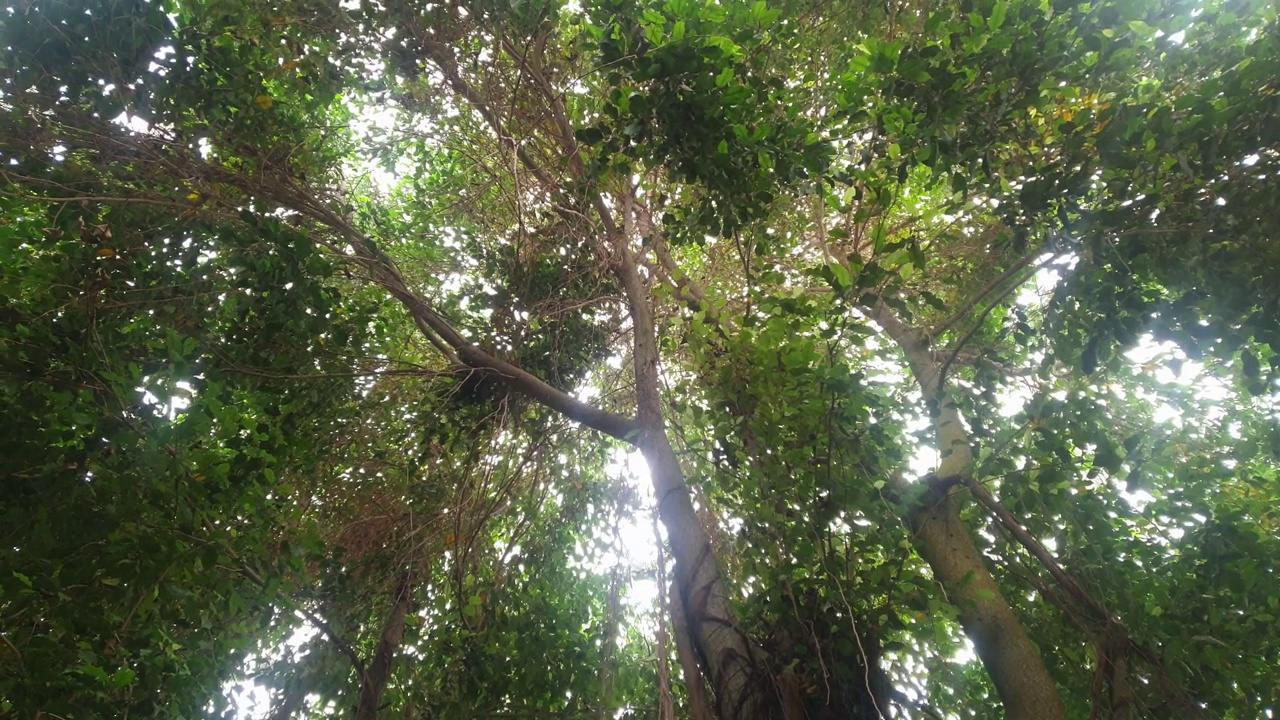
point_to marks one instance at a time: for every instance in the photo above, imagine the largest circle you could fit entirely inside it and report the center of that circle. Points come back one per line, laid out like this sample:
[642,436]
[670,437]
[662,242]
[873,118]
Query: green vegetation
[949,333]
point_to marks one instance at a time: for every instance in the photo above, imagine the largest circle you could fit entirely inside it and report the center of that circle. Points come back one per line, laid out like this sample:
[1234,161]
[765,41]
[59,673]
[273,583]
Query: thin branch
[977,297]
[311,617]
[942,372]
[1038,551]
[438,329]
[455,347]
[95,198]
[331,376]
[9,644]
[440,56]
[685,287]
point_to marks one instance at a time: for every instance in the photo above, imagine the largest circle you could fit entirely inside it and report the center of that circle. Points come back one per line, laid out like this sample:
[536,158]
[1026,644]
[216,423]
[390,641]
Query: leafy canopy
[949,332]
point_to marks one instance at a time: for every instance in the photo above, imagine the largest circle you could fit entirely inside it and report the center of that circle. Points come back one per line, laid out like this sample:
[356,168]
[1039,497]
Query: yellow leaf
[106,253]
[193,198]
[264,102]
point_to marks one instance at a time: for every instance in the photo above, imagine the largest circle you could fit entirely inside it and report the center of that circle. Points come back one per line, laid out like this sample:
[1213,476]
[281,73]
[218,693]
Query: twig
[1098,613]
[977,297]
[942,372]
[21,665]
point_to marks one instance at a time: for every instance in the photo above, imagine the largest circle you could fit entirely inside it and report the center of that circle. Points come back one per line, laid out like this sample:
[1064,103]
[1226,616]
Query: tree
[335,315]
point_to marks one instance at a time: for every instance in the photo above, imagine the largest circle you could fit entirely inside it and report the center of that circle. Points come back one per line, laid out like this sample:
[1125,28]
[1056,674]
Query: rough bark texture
[1014,663]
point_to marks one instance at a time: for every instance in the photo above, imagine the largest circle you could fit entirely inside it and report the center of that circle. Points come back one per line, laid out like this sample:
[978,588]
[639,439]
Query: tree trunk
[1011,659]
[742,692]
[378,671]
[742,688]
[1014,663]
[666,706]
[694,685]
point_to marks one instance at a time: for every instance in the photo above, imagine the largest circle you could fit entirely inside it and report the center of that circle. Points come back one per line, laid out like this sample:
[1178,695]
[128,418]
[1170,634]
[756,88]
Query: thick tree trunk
[1012,660]
[1015,665]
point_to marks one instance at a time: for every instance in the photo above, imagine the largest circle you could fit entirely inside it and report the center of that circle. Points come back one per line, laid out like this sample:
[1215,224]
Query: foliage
[948,332]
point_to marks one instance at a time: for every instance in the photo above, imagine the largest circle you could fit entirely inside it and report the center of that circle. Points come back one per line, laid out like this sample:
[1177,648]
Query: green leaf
[840,278]
[998,13]
[123,677]
[1249,363]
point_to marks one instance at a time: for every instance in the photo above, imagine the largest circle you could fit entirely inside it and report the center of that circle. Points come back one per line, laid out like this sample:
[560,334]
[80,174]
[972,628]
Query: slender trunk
[694,686]
[1014,663]
[666,706]
[1122,699]
[378,672]
[607,660]
[742,692]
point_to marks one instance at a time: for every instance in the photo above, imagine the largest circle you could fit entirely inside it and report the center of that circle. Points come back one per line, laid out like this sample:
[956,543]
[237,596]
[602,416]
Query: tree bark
[666,705]
[1014,663]
[724,650]
[694,687]
[1017,669]
[378,672]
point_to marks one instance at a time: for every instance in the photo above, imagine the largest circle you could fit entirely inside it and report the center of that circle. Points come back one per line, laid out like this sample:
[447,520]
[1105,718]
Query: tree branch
[374,682]
[977,297]
[942,373]
[1096,612]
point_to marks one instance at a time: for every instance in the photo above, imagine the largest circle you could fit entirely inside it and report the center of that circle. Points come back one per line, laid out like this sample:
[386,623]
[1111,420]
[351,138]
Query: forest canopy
[622,359]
